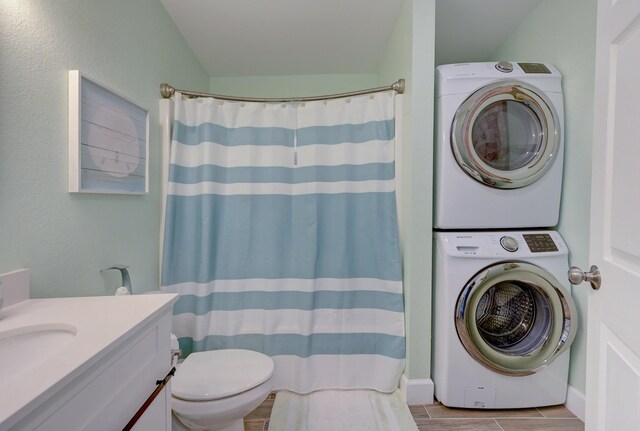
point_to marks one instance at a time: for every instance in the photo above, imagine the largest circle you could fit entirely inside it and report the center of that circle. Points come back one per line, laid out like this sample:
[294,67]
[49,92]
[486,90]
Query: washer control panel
[540,242]
[501,244]
[509,243]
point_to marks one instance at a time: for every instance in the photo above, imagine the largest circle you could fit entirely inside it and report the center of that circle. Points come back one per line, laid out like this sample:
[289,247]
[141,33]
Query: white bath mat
[333,410]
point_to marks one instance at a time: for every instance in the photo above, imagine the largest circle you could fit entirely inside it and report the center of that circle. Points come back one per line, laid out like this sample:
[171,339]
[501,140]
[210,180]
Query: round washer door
[515,318]
[506,135]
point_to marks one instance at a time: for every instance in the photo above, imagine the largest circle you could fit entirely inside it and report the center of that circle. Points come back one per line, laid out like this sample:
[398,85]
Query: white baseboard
[575,402]
[416,391]
[421,391]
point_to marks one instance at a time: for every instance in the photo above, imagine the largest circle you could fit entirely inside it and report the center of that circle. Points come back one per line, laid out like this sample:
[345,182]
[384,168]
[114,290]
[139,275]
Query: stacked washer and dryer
[503,314]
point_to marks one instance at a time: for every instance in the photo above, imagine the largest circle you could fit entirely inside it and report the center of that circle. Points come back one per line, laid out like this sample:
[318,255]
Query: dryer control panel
[534,68]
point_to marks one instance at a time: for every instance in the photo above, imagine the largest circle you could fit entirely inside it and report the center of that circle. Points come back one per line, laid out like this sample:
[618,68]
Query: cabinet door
[111,393]
[158,415]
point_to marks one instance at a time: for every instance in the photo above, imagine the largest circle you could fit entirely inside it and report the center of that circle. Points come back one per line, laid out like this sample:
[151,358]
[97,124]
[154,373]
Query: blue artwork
[113,142]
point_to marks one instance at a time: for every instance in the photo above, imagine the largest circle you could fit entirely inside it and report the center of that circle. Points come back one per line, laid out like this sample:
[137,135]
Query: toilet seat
[217,374]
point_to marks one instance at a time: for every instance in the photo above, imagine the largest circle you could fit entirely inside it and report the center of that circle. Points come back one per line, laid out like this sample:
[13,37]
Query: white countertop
[101,322]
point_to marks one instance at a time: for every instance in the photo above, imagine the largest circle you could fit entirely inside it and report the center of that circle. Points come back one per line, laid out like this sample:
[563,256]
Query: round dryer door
[515,318]
[506,135]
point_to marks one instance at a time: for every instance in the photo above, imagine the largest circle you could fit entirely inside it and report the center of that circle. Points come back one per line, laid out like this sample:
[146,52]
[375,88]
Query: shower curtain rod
[166,91]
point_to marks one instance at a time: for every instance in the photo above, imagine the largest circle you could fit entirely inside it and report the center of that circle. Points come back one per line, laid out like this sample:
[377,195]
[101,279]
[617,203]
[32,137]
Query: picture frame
[108,140]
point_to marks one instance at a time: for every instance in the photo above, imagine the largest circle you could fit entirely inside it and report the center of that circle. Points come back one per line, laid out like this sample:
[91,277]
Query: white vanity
[85,363]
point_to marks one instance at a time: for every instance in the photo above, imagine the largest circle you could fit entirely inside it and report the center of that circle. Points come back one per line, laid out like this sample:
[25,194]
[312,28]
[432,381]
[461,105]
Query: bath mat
[334,410]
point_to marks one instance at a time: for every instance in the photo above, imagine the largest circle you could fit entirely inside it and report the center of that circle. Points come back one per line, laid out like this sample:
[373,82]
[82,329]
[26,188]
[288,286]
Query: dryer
[503,319]
[499,146]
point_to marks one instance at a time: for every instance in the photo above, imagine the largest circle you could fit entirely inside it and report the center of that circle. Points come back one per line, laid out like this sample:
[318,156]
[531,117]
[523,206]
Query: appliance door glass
[506,135]
[515,318]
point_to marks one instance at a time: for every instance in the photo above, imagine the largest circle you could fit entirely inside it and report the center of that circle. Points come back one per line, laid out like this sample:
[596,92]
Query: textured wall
[291,85]
[563,33]
[410,55]
[131,46]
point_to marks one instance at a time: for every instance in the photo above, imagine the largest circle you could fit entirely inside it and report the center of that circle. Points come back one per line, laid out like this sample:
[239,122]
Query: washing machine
[503,319]
[499,146]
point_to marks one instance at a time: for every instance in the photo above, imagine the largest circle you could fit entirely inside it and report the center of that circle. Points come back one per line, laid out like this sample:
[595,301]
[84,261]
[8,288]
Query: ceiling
[298,37]
[285,37]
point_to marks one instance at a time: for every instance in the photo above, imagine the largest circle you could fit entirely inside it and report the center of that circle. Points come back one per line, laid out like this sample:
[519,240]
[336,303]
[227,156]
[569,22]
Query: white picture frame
[108,140]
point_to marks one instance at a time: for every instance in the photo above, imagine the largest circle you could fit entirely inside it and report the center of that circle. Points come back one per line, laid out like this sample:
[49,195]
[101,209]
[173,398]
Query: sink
[30,346]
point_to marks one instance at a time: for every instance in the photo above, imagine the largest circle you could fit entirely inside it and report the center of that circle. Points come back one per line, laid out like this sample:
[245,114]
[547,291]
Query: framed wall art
[108,140]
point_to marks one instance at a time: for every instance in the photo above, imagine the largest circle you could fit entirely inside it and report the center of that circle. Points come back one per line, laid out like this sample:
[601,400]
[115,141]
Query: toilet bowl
[214,390]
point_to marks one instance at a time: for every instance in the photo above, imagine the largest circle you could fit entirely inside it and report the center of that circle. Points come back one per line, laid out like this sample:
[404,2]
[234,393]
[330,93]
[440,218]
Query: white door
[613,350]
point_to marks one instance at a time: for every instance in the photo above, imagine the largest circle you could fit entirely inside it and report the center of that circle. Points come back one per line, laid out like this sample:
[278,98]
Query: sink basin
[30,346]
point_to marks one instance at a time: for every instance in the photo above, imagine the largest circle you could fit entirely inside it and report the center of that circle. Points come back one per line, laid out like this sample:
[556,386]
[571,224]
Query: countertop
[102,324]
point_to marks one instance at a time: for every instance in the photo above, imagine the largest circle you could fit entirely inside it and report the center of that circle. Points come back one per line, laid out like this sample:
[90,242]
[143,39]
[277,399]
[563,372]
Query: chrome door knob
[577,276]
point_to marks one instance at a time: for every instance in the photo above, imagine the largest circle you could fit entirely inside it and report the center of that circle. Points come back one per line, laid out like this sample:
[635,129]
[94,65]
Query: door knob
[577,276]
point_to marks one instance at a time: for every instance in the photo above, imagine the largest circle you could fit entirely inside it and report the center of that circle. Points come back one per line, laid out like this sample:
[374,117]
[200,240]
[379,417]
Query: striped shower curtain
[281,237]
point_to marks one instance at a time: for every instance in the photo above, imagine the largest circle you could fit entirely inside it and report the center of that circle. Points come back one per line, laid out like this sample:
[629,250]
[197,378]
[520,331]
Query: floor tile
[250,425]
[556,412]
[457,425]
[541,424]
[262,412]
[440,411]
[418,412]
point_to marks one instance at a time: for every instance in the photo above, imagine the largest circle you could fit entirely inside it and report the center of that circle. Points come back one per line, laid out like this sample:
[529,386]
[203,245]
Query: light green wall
[131,46]
[290,85]
[563,33]
[409,53]
[421,185]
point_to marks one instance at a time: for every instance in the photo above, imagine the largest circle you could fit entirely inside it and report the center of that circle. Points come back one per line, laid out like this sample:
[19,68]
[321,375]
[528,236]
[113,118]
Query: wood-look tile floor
[258,420]
[436,417]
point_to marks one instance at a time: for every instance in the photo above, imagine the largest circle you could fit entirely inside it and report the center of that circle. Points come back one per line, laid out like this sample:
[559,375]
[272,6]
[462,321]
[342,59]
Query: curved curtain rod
[166,91]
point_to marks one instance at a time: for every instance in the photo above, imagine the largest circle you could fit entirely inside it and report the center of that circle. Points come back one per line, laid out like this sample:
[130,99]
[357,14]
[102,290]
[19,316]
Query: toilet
[214,390]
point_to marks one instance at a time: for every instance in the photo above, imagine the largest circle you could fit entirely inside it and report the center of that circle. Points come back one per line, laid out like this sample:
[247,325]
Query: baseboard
[575,402]
[416,391]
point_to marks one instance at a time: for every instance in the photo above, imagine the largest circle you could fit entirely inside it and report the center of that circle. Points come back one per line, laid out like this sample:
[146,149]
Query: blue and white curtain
[281,237]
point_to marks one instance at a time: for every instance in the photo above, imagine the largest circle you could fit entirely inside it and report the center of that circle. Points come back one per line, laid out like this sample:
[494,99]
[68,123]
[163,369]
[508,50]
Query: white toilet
[214,390]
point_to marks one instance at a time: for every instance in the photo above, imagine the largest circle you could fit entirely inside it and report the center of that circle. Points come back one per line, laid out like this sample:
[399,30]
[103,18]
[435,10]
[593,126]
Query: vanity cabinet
[104,394]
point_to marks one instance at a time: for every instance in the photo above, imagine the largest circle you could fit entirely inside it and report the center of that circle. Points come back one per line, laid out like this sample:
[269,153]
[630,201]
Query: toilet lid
[216,374]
